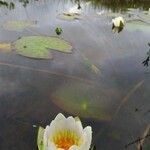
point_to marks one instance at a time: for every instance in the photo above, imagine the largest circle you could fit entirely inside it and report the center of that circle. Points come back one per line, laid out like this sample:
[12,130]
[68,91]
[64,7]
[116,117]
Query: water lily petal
[51,146]
[66,133]
[74,147]
[79,127]
[87,138]
[118,22]
[60,116]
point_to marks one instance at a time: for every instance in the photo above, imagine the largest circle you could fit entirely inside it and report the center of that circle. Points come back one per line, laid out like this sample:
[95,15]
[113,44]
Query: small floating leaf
[58,30]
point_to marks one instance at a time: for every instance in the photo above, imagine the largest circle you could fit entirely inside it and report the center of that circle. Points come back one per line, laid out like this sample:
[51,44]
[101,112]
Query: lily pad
[69,16]
[40,46]
[5,47]
[18,25]
[80,99]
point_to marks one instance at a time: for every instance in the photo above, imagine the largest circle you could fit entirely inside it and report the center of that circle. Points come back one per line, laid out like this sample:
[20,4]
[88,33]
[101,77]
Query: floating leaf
[18,25]
[39,46]
[5,47]
[40,138]
[69,16]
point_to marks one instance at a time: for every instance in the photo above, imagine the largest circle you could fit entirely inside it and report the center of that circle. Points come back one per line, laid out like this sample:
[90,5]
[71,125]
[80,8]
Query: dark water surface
[115,102]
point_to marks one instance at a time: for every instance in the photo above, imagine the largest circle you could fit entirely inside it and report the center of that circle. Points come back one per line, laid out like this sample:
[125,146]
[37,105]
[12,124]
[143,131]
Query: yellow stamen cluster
[65,139]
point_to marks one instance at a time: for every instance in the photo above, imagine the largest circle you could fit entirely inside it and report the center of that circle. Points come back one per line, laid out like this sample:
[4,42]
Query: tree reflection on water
[116,5]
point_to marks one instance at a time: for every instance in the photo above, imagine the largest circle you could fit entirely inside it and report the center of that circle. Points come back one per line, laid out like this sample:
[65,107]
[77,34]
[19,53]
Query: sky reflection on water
[31,90]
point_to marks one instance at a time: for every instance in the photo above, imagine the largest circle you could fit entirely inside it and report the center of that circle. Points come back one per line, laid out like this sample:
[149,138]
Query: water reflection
[8,5]
[32,91]
[117,5]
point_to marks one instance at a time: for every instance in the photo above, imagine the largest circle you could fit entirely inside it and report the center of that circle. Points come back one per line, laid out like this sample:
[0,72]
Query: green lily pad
[18,25]
[79,99]
[40,46]
[40,138]
[69,16]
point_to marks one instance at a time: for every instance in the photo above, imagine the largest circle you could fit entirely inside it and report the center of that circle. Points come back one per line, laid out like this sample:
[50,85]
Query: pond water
[103,81]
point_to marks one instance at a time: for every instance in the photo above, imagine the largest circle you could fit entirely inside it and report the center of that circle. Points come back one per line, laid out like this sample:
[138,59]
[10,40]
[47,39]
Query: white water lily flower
[66,134]
[75,10]
[118,22]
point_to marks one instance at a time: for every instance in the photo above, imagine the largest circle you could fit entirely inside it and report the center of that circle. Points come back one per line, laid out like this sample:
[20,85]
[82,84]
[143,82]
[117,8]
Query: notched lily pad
[18,25]
[40,47]
[69,16]
[5,47]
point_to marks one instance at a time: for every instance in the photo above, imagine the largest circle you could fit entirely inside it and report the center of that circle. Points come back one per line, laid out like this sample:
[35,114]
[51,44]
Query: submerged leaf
[90,66]
[80,99]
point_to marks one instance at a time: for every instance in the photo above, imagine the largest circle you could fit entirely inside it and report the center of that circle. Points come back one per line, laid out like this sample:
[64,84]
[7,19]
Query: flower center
[65,139]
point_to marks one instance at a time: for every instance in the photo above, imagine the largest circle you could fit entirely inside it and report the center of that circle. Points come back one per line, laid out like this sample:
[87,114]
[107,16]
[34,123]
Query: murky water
[115,102]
